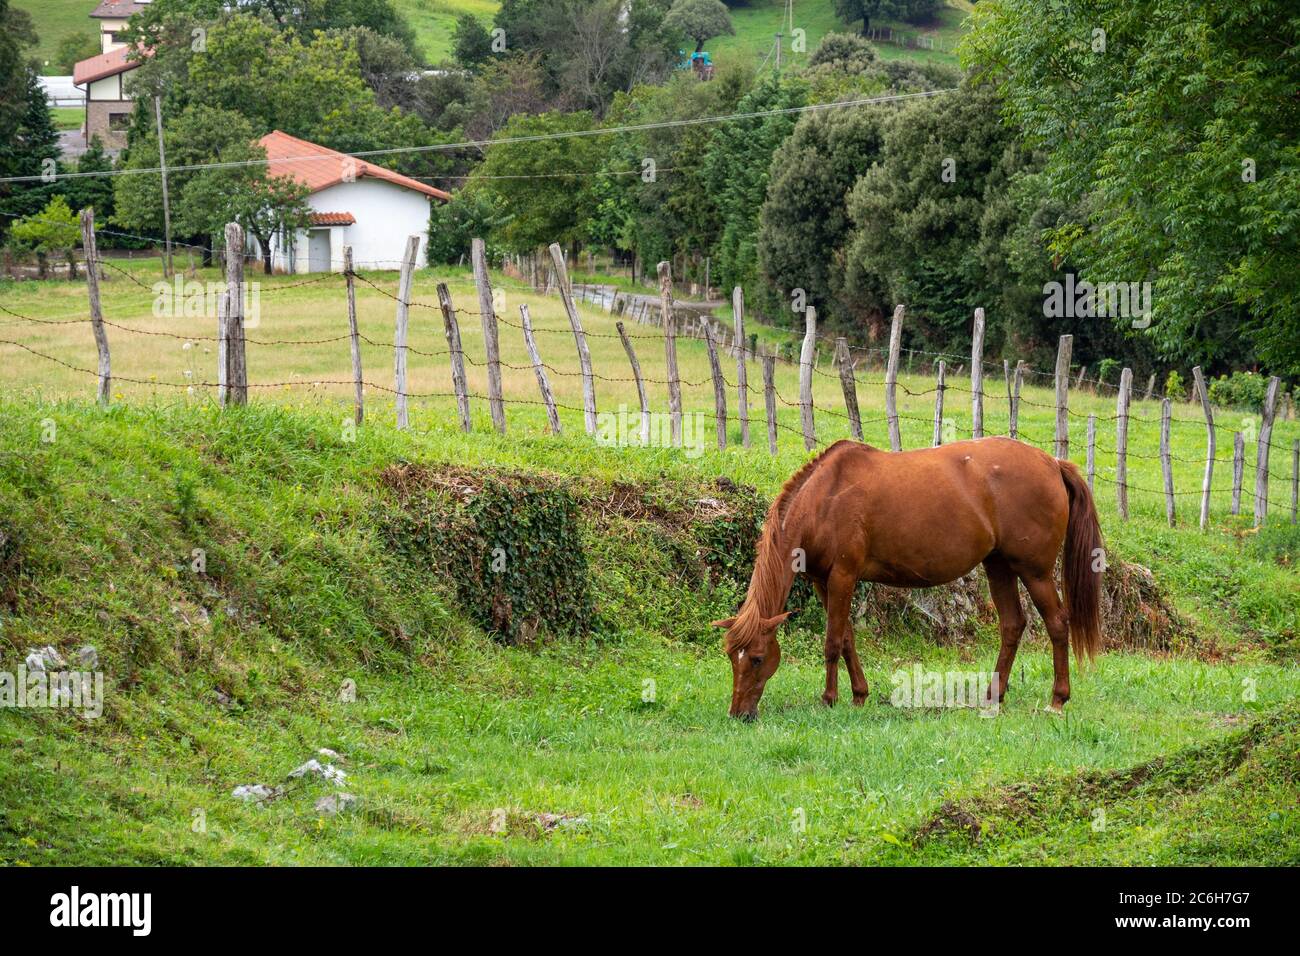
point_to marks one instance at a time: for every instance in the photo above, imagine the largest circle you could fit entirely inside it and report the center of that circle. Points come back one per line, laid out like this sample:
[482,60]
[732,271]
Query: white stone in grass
[88,657]
[326,772]
[330,754]
[335,803]
[44,658]
[255,793]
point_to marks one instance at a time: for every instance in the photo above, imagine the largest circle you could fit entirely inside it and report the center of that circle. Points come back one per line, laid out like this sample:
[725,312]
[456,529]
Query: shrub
[1175,387]
[1240,390]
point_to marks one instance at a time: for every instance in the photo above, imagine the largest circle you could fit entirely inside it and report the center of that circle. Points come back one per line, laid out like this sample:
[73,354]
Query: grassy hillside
[434,20]
[757,23]
[327,560]
[56,19]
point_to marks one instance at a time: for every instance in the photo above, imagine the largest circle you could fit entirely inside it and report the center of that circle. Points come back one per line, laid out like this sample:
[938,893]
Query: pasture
[462,749]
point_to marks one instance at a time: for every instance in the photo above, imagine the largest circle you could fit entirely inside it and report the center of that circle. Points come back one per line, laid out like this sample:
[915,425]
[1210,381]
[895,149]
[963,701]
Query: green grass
[757,23]
[434,21]
[68,117]
[456,745]
[54,20]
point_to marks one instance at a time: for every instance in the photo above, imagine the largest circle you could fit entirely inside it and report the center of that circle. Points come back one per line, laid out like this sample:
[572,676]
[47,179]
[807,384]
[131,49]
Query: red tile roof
[117,8]
[318,168]
[333,219]
[104,65]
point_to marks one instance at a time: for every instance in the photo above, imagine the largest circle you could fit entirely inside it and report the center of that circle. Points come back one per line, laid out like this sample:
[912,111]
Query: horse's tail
[1082,564]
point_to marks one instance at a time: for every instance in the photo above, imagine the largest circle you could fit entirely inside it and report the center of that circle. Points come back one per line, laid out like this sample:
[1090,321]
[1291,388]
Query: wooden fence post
[579,337]
[719,386]
[640,385]
[742,370]
[805,378]
[1295,478]
[1151,387]
[451,330]
[849,385]
[891,379]
[96,314]
[223,348]
[354,335]
[769,399]
[1062,440]
[236,357]
[1238,468]
[1262,449]
[543,382]
[1122,402]
[403,320]
[977,377]
[1092,451]
[670,351]
[488,316]
[1210,444]
[1167,466]
[1006,380]
[938,405]
[1017,381]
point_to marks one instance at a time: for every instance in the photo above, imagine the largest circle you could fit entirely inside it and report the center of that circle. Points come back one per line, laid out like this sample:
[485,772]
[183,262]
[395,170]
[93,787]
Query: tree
[700,20]
[851,11]
[204,200]
[29,143]
[53,230]
[73,48]
[1170,131]
[527,180]
[919,210]
[471,44]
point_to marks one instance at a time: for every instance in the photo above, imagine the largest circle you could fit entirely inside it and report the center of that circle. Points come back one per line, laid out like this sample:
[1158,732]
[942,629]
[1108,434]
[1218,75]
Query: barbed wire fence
[672,322]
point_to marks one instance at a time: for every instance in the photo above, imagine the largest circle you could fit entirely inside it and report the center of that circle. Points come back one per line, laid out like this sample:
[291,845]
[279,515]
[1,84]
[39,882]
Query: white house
[355,203]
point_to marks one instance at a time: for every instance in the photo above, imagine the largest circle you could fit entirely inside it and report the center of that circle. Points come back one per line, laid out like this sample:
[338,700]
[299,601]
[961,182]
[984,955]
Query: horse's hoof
[859,700]
[829,701]
[1054,708]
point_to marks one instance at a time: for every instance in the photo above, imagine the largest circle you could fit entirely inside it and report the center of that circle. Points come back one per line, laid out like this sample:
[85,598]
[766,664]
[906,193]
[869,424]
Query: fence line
[232,379]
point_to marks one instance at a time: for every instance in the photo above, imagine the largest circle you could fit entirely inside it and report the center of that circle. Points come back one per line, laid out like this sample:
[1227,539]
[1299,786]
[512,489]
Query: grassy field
[68,117]
[434,21]
[757,23]
[461,749]
[54,20]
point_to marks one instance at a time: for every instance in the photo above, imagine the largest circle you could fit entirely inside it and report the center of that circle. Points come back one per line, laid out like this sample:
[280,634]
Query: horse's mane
[768,583]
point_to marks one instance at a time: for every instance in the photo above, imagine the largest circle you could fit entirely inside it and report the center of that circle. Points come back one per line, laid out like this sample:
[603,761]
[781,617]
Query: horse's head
[752,646]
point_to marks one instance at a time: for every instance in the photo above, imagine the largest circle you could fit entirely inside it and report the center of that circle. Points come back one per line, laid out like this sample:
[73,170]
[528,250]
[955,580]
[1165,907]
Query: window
[119,122]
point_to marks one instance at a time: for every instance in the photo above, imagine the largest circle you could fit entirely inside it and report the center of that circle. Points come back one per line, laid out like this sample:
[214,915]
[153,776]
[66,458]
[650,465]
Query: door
[318,251]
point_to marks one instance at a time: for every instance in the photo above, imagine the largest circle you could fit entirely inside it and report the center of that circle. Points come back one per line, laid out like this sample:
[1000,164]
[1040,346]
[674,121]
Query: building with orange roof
[355,203]
[108,107]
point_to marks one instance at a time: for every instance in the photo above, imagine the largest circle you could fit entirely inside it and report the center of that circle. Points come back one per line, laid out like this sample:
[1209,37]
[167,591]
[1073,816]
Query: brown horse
[917,519]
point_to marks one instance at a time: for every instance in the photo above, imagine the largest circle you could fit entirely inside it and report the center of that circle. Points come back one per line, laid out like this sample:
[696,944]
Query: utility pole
[778,51]
[167,211]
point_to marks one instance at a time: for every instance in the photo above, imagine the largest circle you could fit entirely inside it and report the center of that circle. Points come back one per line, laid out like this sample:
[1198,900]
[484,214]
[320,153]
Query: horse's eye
[756,661]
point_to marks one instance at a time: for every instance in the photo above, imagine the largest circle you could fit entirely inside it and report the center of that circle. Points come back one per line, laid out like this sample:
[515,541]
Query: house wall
[104,103]
[107,28]
[386,214]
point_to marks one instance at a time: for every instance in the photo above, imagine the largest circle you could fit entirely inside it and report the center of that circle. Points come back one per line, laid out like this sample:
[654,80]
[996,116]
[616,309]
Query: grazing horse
[917,519]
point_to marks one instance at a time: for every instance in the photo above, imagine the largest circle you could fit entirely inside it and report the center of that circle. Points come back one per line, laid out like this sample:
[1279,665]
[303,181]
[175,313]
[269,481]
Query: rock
[88,657]
[335,803]
[256,793]
[223,699]
[45,658]
[330,754]
[315,768]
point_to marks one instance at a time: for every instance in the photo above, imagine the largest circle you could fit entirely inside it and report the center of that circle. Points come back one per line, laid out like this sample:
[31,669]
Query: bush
[1175,387]
[1240,390]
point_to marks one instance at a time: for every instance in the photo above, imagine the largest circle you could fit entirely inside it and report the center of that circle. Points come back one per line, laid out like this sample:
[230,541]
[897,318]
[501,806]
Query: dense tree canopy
[1170,128]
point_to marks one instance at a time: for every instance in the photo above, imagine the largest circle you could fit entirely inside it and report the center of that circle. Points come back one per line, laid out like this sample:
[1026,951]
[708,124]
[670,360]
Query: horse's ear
[724,623]
[772,623]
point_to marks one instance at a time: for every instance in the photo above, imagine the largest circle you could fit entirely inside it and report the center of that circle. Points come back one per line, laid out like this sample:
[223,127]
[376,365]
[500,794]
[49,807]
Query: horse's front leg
[838,598]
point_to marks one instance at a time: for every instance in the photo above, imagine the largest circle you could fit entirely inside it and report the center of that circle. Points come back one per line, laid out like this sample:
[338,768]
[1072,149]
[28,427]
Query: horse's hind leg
[1043,591]
[1011,616]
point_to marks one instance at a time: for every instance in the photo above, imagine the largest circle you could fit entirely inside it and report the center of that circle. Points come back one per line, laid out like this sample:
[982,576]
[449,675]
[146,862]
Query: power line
[505,141]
